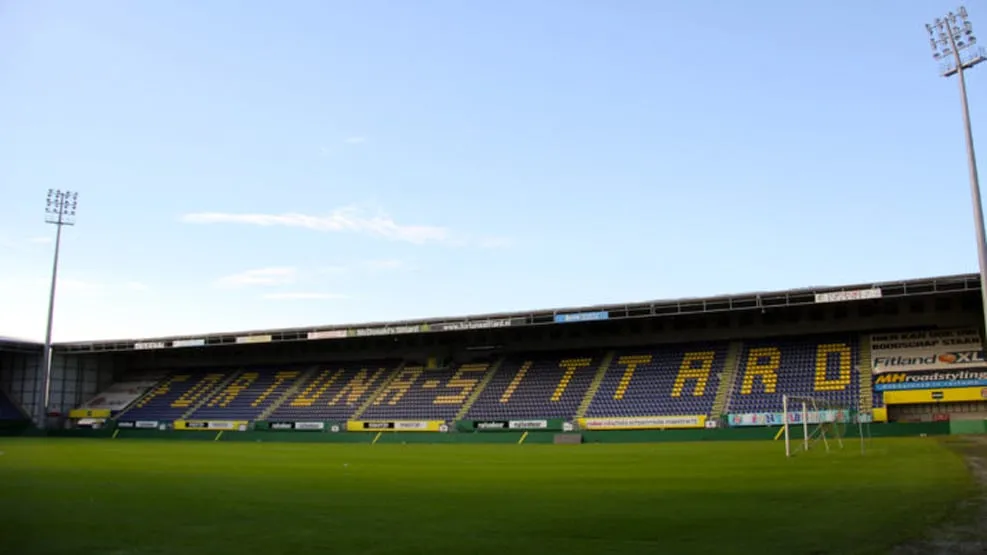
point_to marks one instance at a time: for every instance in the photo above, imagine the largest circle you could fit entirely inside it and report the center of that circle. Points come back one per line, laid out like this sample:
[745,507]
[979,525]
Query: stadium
[255,168]
[670,413]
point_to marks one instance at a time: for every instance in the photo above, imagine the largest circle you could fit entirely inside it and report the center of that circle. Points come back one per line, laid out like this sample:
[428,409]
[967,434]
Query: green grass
[130,497]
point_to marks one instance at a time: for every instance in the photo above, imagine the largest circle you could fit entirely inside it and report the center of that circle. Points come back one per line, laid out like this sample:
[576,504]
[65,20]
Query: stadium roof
[696,305]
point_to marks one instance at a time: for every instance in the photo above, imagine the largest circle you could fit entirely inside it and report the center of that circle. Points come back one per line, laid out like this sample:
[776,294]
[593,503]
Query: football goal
[812,423]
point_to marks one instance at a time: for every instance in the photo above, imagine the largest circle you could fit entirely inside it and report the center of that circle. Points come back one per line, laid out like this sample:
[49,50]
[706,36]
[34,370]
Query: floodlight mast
[954,44]
[59,211]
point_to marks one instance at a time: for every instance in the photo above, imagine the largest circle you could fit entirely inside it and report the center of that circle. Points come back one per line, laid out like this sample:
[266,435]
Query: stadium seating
[9,410]
[824,368]
[677,380]
[670,380]
[248,394]
[542,385]
[425,394]
[176,396]
[335,392]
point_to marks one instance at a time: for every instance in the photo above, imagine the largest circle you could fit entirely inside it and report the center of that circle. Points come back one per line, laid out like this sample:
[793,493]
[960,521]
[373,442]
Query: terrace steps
[730,368]
[380,388]
[289,393]
[594,386]
[487,377]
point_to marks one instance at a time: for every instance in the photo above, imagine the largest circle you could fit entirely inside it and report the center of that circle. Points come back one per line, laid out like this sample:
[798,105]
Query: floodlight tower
[955,46]
[60,211]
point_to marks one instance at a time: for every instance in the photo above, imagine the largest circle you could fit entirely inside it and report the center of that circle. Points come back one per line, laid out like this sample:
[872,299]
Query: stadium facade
[898,351]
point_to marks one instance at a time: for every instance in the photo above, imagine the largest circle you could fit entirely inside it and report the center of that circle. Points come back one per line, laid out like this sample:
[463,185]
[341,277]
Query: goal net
[812,423]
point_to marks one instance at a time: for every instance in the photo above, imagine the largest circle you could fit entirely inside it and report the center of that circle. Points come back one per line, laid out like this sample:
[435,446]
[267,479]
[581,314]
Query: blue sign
[581,317]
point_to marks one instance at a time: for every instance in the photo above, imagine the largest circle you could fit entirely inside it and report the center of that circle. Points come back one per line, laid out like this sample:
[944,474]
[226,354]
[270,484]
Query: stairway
[866,403]
[380,389]
[207,394]
[727,380]
[479,389]
[594,386]
[291,391]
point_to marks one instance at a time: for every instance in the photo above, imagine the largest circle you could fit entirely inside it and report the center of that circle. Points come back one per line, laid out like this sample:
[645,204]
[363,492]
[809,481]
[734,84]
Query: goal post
[809,421]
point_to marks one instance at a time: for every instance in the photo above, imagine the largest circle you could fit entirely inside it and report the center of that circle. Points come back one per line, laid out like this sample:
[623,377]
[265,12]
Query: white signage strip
[844,296]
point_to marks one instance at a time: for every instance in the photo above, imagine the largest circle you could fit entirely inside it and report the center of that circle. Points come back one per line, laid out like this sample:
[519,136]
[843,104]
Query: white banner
[310,425]
[952,349]
[221,425]
[149,345]
[188,342]
[147,424]
[844,296]
[644,422]
[254,339]
[528,424]
[411,425]
[330,334]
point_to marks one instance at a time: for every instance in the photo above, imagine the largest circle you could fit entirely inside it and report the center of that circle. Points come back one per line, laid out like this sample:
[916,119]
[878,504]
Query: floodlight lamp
[962,11]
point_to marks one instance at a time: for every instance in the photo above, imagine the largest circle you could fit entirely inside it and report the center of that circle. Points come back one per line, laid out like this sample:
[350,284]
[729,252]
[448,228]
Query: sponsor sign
[188,342]
[149,345]
[643,423]
[89,413]
[794,417]
[844,296]
[329,334]
[475,324]
[892,381]
[581,317]
[210,424]
[310,426]
[125,424]
[334,429]
[397,426]
[254,339]
[951,395]
[498,425]
[281,425]
[386,330]
[951,350]
[528,424]
[147,424]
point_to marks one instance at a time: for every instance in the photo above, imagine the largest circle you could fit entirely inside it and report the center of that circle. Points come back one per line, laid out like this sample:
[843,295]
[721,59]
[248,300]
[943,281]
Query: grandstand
[705,362]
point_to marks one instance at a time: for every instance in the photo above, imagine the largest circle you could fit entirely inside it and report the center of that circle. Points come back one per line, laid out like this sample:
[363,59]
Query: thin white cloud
[259,276]
[383,264]
[495,242]
[347,219]
[355,140]
[137,286]
[40,240]
[304,296]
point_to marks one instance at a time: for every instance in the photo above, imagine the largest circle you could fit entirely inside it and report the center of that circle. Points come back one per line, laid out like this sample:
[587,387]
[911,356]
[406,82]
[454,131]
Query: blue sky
[246,165]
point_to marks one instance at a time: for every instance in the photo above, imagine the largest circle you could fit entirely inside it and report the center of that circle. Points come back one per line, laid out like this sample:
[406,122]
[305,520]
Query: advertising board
[916,351]
[643,423]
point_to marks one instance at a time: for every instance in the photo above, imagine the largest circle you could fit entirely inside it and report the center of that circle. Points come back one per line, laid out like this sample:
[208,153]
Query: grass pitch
[133,497]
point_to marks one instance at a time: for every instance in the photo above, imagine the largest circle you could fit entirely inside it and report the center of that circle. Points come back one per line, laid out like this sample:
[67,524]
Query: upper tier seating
[667,381]
[539,385]
[825,368]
